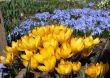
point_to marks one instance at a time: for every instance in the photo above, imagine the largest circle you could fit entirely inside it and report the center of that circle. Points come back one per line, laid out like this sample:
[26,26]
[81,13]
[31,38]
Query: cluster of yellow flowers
[95,70]
[46,45]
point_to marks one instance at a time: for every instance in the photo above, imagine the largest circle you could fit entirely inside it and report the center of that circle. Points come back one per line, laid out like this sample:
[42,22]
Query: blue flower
[79,19]
[91,4]
[42,16]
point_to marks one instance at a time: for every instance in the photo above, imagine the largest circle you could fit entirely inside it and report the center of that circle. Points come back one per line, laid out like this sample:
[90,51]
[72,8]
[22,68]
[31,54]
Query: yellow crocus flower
[68,33]
[88,42]
[49,64]
[92,71]
[76,66]
[64,68]
[9,58]
[24,43]
[40,58]
[62,33]
[28,55]
[47,52]
[44,53]
[96,41]
[102,67]
[37,41]
[9,49]
[77,44]
[60,37]
[33,62]
[29,43]
[51,42]
[66,51]
[42,31]
[95,69]
[13,48]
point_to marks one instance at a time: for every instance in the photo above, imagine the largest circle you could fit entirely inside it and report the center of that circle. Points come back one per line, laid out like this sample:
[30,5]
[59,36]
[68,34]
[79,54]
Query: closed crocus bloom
[96,41]
[88,42]
[64,68]
[49,64]
[28,55]
[66,51]
[77,44]
[76,66]
[94,70]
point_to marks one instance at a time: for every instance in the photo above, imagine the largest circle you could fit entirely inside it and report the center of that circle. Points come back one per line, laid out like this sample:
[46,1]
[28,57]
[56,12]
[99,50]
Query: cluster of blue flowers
[80,19]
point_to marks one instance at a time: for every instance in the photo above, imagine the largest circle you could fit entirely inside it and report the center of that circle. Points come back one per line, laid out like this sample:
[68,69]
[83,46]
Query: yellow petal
[49,64]
[66,51]
[76,66]
[29,54]
[25,57]
[77,44]
[25,63]
[96,41]
[34,63]
[40,58]
[2,59]
[64,68]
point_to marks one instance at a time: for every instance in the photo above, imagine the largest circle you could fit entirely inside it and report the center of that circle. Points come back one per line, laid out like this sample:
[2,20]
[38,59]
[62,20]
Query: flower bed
[85,20]
[54,49]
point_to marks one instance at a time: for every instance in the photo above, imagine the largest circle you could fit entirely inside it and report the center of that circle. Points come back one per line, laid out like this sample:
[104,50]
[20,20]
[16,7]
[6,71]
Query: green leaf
[28,70]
